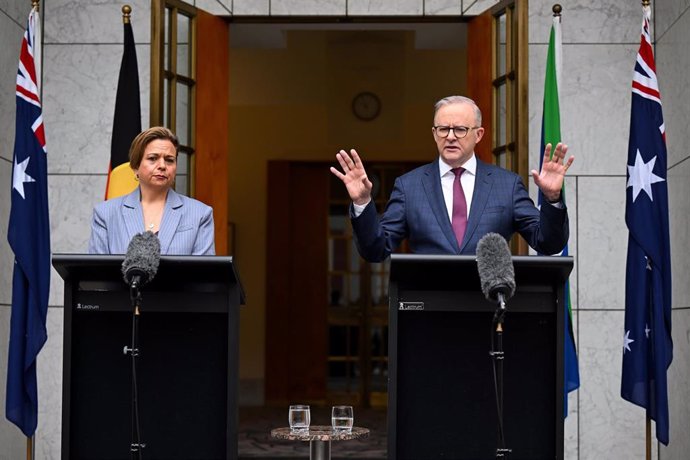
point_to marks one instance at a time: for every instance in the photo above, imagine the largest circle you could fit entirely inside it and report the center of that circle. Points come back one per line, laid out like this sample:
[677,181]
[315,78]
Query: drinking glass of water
[342,419]
[299,418]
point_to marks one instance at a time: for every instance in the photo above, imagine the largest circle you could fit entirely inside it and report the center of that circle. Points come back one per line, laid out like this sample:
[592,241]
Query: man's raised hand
[553,169]
[353,176]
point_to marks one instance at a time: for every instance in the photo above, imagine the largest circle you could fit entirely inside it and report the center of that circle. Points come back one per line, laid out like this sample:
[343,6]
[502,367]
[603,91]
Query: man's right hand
[354,177]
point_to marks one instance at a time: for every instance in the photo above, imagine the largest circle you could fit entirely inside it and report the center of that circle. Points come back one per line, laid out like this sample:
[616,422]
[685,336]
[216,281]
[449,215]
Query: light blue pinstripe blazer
[186,227]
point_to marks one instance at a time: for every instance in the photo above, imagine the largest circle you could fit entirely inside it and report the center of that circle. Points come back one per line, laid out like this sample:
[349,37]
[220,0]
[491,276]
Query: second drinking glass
[342,419]
[299,418]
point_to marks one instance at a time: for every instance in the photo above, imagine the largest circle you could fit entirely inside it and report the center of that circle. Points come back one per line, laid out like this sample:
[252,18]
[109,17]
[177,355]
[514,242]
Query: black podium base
[182,385]
[445,378]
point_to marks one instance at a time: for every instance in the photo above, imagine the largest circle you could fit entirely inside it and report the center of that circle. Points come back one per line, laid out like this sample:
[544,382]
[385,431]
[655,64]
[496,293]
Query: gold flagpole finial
[556,8]
[36,4]
[126,13]
[645,3]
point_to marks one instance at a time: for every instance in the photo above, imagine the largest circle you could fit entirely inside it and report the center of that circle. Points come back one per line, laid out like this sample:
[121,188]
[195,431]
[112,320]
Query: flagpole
[648,439]
[557,9]
[35,5]
[29,448]
[126,14]
[648,421]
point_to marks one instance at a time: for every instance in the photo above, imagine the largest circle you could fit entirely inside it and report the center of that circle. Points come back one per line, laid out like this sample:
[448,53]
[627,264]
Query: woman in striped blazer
[184,226]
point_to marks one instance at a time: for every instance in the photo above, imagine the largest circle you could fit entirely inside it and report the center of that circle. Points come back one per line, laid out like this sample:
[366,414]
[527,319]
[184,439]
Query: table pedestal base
[319,438]
[319,450]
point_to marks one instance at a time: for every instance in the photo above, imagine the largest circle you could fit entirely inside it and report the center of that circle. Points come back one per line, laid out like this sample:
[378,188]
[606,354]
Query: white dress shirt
[467,180]
[447,178]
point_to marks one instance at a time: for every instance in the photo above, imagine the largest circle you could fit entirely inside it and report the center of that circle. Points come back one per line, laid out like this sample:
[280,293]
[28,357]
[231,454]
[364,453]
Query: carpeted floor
[255,440]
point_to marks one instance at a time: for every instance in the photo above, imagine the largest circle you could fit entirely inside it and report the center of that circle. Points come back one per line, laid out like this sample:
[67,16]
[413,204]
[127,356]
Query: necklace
[151,226]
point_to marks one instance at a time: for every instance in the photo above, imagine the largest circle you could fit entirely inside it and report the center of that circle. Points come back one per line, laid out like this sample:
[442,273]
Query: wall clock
[366,106]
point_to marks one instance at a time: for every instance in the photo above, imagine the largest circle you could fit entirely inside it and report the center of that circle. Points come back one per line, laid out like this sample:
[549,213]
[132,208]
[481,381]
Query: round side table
[320,438]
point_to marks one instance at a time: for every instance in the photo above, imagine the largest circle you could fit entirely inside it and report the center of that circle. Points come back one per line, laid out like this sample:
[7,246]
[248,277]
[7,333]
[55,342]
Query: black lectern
[441,399]
[187,365]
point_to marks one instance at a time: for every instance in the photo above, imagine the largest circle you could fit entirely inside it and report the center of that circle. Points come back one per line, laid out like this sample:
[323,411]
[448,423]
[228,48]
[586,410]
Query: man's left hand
[553,169]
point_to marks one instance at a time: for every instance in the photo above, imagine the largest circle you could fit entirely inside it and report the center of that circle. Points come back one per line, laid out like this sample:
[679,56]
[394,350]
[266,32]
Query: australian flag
[647,346]
[29,238]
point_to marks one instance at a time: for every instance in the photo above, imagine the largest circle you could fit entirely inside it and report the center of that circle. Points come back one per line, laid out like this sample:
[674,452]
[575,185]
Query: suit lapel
[482,191]
[132,214]
[170,221]
[432,187]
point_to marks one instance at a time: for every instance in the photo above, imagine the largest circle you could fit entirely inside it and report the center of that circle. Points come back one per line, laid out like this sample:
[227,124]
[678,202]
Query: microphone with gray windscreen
[142,259]
[495,266]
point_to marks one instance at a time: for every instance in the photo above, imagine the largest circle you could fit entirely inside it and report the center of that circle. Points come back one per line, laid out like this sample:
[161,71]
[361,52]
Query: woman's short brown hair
[144,138]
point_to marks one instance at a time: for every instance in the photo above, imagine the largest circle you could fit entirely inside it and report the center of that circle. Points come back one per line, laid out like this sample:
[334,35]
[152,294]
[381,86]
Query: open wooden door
[212,145]
[480,56]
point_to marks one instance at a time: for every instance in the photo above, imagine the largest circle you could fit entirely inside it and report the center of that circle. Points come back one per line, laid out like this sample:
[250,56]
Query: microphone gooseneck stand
[496,353]
[136,445]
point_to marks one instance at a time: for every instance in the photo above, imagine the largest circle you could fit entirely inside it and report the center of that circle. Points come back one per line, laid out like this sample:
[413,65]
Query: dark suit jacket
[416,210]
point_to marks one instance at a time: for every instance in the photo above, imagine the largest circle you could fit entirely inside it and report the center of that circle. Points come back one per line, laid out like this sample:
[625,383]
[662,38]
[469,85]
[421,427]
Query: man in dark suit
[445,207]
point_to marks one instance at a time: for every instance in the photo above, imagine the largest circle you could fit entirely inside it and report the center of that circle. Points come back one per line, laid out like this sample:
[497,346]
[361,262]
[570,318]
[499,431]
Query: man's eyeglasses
[458,131]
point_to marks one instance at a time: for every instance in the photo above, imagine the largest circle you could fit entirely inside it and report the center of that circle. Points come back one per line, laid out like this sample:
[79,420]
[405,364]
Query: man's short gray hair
[460,100]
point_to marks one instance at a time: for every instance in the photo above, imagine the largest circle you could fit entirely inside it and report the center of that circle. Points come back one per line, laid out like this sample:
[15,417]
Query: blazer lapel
[132,214]
[432,187]
[482,191]
[170,221]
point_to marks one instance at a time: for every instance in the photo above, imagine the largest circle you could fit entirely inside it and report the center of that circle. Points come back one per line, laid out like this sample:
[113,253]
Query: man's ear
[480,133]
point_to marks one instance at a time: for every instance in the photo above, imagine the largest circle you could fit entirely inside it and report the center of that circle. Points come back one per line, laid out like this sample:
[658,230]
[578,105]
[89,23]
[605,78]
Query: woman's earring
[136,177]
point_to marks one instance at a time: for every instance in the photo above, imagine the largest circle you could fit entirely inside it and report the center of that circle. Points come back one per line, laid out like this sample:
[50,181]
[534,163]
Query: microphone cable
[136,447]
[497,355]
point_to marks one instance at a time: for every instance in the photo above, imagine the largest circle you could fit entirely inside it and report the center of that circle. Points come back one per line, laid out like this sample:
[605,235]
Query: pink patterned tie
[459,221]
